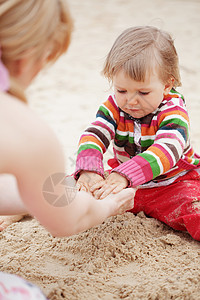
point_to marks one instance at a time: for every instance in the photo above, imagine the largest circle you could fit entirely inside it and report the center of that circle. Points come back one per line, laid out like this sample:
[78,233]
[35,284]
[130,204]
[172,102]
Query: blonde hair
[33,25]
[140,49]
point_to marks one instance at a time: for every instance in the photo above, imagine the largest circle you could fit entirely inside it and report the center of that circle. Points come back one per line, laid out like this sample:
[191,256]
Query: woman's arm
[31,152]
[78,212]
[10,199]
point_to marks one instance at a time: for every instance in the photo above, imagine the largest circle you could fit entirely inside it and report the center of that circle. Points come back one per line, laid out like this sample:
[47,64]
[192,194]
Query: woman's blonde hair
[33,25]
[138,50]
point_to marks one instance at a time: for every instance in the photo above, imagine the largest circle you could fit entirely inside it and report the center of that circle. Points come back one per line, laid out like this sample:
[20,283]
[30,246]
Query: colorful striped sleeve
[170,141]
[96,139]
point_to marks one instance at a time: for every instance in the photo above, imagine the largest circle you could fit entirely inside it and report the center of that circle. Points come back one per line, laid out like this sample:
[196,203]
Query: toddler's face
[136,98]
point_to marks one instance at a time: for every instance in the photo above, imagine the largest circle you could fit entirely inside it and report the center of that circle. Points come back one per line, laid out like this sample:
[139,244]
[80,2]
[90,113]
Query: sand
[127,257]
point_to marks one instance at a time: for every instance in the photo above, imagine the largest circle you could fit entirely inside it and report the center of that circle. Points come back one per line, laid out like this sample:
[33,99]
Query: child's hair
[138,50]
[35,26]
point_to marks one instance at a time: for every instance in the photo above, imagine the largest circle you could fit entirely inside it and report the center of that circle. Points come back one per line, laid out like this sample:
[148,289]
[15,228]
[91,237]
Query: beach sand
[128,256]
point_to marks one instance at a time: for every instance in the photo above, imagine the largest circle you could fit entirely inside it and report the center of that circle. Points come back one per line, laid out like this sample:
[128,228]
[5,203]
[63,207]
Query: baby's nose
[133,99]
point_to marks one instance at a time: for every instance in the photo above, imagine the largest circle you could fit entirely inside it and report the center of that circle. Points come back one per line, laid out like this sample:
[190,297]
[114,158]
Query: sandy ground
[127,257]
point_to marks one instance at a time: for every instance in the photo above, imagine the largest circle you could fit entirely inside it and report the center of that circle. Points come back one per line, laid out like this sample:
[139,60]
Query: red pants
[177,205]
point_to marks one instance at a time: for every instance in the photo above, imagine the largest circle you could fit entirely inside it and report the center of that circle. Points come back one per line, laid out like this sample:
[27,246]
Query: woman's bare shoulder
[24,136]
[18,117]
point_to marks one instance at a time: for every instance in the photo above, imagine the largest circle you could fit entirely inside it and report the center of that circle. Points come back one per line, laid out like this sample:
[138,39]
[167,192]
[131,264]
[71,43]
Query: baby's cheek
[121,103]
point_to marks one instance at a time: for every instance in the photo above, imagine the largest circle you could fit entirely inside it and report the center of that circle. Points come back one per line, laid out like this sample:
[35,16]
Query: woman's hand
[121,202]
[113,184]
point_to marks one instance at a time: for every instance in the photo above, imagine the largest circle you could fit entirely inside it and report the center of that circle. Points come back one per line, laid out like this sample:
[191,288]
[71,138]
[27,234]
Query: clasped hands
[99,187]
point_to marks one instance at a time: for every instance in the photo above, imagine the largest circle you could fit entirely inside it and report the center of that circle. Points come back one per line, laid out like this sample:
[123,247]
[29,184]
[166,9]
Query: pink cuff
[89,163]
[137,171]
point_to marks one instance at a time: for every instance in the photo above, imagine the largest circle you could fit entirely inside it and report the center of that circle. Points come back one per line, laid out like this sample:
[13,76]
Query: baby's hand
[88,179]
[113,184]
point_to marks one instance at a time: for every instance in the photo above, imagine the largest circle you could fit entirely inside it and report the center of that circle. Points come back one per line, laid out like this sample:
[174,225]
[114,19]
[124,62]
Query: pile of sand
[127,257]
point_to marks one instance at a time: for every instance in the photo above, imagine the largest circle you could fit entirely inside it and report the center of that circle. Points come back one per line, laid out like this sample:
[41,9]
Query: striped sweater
[152,149]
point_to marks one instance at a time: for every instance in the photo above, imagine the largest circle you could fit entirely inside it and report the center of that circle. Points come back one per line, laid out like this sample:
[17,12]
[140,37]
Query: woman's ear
[168,86]
[26,68]
[21,71]
[17,67]
[20,66]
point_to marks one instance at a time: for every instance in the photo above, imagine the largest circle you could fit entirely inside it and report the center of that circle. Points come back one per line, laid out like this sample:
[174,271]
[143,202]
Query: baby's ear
[168,86]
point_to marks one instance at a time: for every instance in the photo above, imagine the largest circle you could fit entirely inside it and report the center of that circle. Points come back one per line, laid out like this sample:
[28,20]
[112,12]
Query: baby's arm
[96,139]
